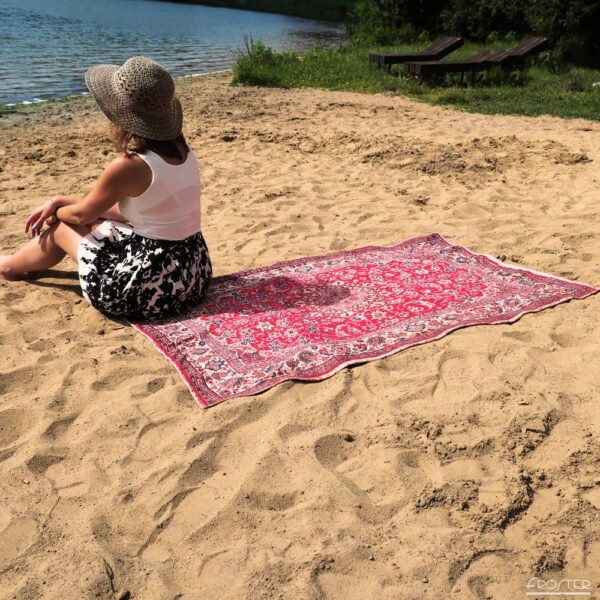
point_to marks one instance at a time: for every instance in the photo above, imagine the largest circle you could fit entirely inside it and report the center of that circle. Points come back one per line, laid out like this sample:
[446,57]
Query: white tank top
[169,209]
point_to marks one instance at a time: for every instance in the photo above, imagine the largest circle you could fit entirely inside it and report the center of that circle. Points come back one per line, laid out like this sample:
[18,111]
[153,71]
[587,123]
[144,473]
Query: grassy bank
[327,10]
[538,89]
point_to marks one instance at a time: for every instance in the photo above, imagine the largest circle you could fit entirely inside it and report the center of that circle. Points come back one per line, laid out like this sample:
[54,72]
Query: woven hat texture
[139,97]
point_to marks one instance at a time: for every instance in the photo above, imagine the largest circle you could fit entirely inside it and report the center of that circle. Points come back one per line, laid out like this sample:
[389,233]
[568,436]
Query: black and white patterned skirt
[125,274]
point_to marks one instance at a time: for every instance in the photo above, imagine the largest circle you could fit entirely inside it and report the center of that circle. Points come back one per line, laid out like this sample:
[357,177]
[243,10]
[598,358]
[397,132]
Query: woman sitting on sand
[136,236]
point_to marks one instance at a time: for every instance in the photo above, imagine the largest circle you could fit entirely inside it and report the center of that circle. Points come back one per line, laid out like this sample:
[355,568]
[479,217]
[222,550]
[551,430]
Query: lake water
[47,45]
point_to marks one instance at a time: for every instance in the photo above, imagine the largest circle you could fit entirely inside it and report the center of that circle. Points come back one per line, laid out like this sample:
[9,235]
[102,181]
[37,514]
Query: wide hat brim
[166,126]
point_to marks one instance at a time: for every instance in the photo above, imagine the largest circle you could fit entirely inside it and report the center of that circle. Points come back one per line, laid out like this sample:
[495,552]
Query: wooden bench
[475,62]
[436,51]
[518,54]
[479,61]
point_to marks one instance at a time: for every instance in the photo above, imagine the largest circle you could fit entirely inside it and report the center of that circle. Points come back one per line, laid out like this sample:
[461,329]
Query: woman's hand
[42,214]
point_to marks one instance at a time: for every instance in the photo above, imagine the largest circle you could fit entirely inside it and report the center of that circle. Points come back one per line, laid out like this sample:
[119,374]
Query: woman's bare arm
[113,213]
[45,211]
[123,177]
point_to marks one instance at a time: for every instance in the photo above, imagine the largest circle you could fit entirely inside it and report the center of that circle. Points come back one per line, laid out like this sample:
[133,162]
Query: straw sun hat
[139,97]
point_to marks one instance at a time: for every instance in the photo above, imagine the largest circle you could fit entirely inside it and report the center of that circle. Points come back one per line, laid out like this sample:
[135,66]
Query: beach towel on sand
[310,317]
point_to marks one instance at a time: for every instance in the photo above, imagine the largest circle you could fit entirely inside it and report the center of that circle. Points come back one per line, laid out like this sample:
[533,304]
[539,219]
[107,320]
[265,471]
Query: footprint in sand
[14,423]
[18,380]
[351,462]
[333,450]
[15,539]
[487,574]
[58,428]
[40,463]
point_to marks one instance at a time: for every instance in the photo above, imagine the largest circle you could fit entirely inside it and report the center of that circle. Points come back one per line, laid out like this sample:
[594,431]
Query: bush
[572,26]
[385,22]
[478,19]
[255,62]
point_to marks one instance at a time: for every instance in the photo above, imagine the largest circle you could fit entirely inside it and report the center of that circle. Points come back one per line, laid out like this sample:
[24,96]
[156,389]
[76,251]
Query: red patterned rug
[308,318]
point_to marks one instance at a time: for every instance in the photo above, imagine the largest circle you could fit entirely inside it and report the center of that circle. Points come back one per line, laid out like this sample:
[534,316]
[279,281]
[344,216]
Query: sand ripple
[457,469]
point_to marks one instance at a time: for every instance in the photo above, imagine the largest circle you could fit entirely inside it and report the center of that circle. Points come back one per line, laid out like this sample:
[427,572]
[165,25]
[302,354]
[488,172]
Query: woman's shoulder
[130,171]
[127,165]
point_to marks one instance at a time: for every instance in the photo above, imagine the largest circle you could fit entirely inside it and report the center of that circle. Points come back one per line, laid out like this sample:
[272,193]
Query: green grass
[536,90]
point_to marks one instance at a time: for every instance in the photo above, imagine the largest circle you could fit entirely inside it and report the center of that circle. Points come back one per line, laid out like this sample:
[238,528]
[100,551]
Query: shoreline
[26,105]
[6,111]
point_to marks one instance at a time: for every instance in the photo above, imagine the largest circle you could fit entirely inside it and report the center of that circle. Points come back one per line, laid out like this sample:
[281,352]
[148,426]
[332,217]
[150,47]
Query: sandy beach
[462,468]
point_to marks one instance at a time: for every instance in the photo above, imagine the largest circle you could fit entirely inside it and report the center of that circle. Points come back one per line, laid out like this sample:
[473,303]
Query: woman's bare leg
[44,251]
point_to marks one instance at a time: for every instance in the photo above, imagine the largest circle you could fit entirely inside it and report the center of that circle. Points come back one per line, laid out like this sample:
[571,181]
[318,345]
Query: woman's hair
[128,143]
